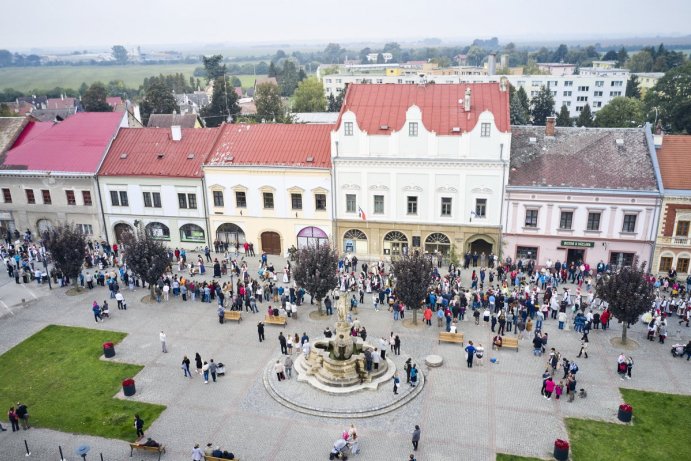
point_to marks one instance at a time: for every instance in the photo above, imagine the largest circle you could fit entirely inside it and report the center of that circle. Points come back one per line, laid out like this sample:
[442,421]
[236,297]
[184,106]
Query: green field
[46,78]
[58,375]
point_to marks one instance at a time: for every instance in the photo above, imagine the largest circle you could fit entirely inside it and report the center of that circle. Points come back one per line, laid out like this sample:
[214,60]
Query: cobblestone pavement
[467,414]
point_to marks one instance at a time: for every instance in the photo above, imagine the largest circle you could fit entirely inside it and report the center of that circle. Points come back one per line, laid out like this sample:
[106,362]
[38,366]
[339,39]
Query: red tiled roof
[378,105]
[113,101]
[59,103]
[273,144]
[137,152]
[674,158]
[33,129]
[75,145]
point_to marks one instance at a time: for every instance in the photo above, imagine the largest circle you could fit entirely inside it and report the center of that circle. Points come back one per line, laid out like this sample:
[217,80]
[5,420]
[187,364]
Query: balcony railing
[674,240]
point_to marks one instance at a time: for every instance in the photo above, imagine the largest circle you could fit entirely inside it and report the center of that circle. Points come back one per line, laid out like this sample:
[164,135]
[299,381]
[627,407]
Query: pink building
[581,194]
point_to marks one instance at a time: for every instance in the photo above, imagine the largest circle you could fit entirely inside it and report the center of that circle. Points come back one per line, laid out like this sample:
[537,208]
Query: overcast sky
[86,23]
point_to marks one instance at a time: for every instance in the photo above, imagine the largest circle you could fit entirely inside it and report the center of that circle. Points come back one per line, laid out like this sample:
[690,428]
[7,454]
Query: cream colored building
[270,185]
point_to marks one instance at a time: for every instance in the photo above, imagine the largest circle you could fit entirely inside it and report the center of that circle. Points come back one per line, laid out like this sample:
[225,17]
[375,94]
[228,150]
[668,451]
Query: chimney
[176,132]
[549,127]
[505,61]
[492,64]
[466,101]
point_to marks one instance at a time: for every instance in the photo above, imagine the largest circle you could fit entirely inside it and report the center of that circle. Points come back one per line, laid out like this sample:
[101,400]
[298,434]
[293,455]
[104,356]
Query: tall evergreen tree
[223,106]
[158,99]
[633,89]
[564,117]
[214,68]
[542,106]
[523,99]
[585,118]
[267,98]
[518,114]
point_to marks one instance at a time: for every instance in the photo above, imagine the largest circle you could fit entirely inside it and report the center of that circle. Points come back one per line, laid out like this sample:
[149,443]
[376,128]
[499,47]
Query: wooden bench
[137,446]
[275,320]
[511,343]
[233,315]
[448,337]
[213,458]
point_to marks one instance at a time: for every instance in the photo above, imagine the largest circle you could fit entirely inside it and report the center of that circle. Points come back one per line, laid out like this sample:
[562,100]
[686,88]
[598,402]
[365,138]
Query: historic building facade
[578,194]
[270,185]
[420,167]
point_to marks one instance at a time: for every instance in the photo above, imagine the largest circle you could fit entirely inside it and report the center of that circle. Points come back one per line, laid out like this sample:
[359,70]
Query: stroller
[678,350]
[339,450]
[220,369]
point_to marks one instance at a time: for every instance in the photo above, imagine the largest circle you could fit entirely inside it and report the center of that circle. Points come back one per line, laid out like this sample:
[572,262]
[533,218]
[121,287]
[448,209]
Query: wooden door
[271,243]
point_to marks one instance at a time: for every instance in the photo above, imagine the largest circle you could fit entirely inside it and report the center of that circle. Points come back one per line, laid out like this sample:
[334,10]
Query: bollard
[26,445]
[62,458]
[101,456]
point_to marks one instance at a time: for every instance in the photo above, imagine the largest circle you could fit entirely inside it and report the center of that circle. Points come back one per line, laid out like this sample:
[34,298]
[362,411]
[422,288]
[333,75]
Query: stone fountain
[337,364]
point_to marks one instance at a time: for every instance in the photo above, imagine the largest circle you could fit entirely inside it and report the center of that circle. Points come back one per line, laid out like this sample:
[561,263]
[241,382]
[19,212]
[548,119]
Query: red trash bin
[561,450]
[108,350]
[625,412]
[128,387]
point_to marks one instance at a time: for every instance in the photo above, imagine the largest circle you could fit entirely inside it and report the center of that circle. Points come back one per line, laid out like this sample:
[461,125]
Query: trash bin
[561,450]
[625,412]
[128,387]
[108,350]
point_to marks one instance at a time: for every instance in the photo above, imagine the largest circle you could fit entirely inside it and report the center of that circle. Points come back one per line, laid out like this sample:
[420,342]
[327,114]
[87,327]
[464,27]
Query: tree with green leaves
[518,114]
[158,99]
[223,106]
[6,111]
[272,72]
[628,294]
[523,99]
[94,100]
[119,54]
[564,117]
[335,102]
[66,245]
[83,88]
[146,256]
[622,57]
[621,112]
[633,89]
[542,106]
[640,62]
[316,271]
[267,99]
[214,67]
[309,96]
[585,118]
[671,96]
[611,55]
[413,273]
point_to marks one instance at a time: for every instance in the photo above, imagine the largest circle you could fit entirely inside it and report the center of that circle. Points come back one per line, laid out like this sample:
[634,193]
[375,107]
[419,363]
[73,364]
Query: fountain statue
[337,364]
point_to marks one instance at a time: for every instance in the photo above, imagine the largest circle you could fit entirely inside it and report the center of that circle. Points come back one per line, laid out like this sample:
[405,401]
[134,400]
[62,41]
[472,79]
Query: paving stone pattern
[467,414]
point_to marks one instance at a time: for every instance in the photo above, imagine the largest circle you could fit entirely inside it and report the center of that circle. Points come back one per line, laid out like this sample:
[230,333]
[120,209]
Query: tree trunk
[414,316]
[152,291]
[319,306]
[623,332]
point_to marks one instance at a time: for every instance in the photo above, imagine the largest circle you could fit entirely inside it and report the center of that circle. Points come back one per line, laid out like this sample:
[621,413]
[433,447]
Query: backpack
[573,368]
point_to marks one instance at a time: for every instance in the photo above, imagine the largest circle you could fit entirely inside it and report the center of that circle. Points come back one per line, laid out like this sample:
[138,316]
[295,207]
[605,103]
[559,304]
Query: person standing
[212,369]
[205,372]
[283,343]
[162,337]
[584,349]
[416,437]
[139,426]
[397,345]
[396,383]
[629,366]
[14,420]
[279,369]
[198,362]
[470,351]
[186,366]
[197,453]
[97,312]
[23,415]
[288,364]
[260,331]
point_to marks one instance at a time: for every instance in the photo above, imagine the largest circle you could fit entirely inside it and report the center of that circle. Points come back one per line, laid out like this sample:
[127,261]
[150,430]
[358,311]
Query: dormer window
[412,129]
[485,130]
[348,128]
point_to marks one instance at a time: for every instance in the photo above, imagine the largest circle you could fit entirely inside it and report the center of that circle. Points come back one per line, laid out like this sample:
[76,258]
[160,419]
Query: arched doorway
[312,236]
[395,244]
[192,233]
[158,231]
[43,225]
[230,233]
[438,243]
[480,244]
[271,243]
[120,229]
[355,241]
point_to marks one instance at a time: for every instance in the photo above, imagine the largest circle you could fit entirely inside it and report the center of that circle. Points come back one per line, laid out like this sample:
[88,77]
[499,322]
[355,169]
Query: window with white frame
[617,83]
[481,207]
[411,205]
[152,199]
[600,83]
[567,93]
[583,88]
[268,200]
[320,202]
[351,203]
[119,198]
[187,201]
[485,129]
[446,206]
[240,199]
[568,83]
[218,198]
[378,204]
[348,128]
[296,201]
[629,224]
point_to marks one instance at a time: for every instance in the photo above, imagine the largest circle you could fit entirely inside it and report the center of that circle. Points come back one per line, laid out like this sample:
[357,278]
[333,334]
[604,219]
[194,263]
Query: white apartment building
[575,91]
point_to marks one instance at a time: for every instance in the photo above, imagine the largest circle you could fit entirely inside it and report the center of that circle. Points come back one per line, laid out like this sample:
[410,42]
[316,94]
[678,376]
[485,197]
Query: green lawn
[46,78]
[58,375]
[659,431]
